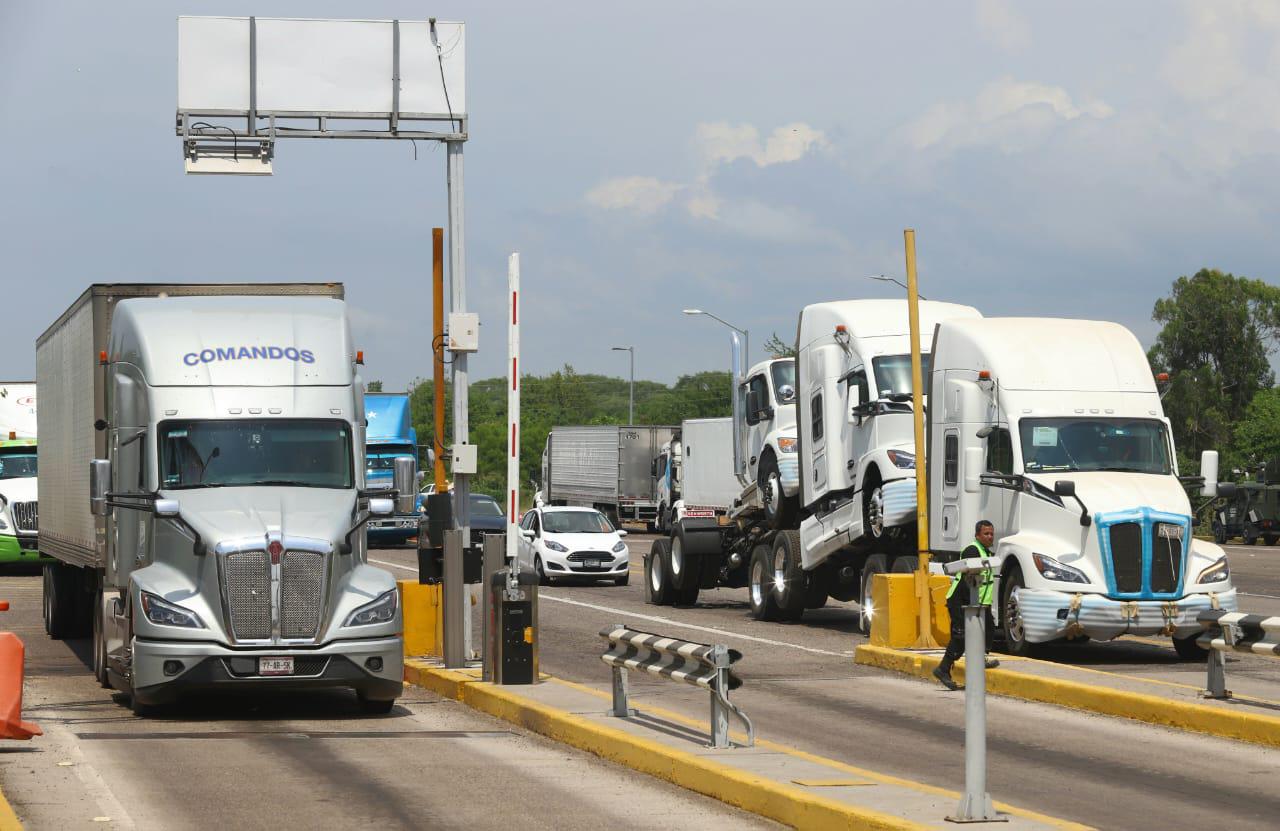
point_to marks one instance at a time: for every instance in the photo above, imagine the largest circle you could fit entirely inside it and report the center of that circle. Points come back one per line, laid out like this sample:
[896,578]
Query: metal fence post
[720,718]
[975,805]
[494,557]
[455,602]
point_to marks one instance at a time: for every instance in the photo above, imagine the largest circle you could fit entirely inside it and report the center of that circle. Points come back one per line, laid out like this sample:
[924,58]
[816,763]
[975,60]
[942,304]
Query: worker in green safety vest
[959,595]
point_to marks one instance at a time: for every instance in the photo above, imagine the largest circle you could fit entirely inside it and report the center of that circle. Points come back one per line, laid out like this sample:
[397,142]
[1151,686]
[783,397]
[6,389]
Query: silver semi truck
[608,468]
[202,493]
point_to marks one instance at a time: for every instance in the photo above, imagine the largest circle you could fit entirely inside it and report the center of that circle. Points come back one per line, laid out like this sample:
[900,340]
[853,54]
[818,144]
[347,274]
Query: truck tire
[1250,535]
[1011,626]
[906,564]
[779,509]
[1189,648]
[873,505]
[815,591]
[63,597]
[658,590]
[1219,533]
[788,575]
[876,564]
[1270,539]
[99,637]
[611,514]
[686,564]
[662,522]
[764,606]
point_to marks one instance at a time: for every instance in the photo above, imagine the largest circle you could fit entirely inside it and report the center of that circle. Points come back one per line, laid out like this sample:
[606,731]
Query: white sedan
[561,543]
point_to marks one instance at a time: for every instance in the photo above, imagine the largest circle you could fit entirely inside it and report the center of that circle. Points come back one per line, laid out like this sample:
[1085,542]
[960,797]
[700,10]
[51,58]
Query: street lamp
[885,279]
[746,337]
[631,405]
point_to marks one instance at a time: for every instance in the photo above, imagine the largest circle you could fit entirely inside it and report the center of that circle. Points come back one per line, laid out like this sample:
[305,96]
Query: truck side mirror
[973,464]
[99,485]
[754,406]
[855,402]
[1064,487]
[167,508]
[1209,470]
[404,477]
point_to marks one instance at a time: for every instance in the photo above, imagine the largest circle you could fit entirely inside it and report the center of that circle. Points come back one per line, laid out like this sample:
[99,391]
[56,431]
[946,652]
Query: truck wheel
[685,565]
[661,521]
[815,592]
[779,509]
[764,606]
[1189,648]
[99,639]
[876,564]
[1011,623]
[1270,539]
[611,514]
[1250,535]
[658,590]
[788,575]
[687,596]
[375,706]
[906,564]
[873,507]
[1219,533]
[61,618]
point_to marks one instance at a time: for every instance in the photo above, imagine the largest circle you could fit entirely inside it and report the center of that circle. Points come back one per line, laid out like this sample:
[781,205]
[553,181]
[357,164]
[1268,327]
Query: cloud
[721,142]
[642,195]
[1001,25]
[1001,112]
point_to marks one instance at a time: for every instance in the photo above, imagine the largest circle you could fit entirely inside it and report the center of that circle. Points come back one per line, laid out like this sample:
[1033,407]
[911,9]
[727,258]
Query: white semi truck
[823,449]
[1053,430]
[19,511]
[202,474]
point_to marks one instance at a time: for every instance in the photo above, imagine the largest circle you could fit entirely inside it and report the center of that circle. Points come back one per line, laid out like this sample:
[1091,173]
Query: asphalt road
[802,688]
[302,761]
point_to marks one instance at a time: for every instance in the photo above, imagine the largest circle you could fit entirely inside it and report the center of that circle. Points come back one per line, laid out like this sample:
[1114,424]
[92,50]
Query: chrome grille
[247,576]
[1166,557]
[1126,556]
[301,593]
[26,516]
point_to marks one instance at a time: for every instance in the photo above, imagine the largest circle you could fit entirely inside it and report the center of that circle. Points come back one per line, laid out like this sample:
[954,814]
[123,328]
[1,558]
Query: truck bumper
[1048,615]
[397,528]
[19,550]
[210,666]
[789,473]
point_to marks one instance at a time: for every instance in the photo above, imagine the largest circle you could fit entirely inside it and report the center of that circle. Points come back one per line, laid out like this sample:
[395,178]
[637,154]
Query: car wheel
[1189,648]
[1012,625]
[764,605]
[788,576]
[623,580]
[658,590]
[543,579]
[875,565]
[779,509]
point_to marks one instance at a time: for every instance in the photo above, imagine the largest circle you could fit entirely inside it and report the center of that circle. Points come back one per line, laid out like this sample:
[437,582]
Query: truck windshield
[575,522]
[18,465]
[1084,444]
[893,373]
[309,453]
[784,381]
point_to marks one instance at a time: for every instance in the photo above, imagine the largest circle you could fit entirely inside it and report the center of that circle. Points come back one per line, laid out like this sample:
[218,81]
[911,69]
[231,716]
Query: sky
[1064,159]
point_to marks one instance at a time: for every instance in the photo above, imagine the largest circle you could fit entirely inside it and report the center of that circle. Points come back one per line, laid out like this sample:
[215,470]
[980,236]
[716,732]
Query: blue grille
[1136,553]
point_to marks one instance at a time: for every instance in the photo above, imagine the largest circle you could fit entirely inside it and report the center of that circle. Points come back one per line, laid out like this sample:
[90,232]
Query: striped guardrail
[1234,632]
[709,666]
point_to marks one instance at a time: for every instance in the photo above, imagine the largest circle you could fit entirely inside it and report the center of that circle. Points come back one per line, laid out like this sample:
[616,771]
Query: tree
[1218,330]
[1257,438]
[373,386]
[777,349]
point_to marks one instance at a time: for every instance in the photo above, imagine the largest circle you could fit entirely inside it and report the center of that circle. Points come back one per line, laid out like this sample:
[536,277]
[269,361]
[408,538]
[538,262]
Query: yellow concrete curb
[1152,709]
[704,775]
[8,819]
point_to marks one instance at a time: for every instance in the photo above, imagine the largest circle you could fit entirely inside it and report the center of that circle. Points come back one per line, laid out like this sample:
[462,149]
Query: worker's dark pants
[955,607]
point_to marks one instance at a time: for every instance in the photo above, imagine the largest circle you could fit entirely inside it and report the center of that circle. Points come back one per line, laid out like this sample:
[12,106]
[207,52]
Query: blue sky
[1056,159]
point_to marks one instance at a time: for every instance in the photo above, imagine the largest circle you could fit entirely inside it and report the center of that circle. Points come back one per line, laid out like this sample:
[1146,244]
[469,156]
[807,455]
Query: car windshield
[784,378]
[18,464]
[484,506]
[575,522]
[1084,444]
[893,373]
[287,452]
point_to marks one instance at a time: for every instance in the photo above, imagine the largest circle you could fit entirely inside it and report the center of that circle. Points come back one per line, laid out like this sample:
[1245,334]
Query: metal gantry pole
[975,805]
[924,637]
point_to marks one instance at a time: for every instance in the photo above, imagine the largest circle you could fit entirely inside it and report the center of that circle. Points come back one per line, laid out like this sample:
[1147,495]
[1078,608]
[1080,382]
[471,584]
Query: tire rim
[773,488]
[875,511]
[1013,618]
[864,613]
[779,571]
[677,558]
[757,583]
[655,574]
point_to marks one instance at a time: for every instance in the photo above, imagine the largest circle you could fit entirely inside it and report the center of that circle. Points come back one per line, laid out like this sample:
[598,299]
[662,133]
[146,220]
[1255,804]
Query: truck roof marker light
[13,435]
[984,375]
[102,357]
[1162,377]
[840,327]
[360,357]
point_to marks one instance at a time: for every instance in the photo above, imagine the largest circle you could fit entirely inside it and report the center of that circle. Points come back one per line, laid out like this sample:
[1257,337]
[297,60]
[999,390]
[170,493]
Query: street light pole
[631,399]
[746,336]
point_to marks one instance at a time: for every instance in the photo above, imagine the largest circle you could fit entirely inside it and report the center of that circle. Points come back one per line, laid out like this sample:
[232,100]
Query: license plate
[592,563]
[275,666]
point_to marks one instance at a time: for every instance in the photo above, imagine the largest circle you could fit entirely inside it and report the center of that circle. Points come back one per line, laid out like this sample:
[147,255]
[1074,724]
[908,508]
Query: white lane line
[1251,594]
[394,565]
[544,595]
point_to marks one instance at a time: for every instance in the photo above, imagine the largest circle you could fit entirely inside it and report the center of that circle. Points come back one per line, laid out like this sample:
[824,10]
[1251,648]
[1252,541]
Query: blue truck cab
[388,435]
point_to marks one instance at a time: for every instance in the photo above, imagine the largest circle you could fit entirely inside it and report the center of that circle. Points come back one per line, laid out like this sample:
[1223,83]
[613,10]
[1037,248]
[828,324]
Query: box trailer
[609,468]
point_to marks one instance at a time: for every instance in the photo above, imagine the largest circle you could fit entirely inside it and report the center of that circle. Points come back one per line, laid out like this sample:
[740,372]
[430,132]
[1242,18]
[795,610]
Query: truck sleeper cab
[1053,430]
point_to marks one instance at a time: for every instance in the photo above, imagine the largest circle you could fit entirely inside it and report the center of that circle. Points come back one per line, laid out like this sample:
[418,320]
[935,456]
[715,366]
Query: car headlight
[163,613]
[1215,573]
[1051,569]
[902,458]
[555,546]
[382,610]
[620,547]
[788,445]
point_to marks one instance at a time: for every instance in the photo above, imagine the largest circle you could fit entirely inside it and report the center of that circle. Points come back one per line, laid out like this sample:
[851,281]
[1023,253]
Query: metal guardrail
[697,664]
[1234,632]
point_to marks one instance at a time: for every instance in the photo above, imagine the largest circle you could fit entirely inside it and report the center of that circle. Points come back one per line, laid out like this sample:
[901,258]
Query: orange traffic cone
[11,661]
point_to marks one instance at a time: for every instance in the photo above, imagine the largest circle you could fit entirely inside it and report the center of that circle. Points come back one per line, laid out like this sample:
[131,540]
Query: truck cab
[768,440]
[666,473]
[19,516]
[389,435]
[1053,431]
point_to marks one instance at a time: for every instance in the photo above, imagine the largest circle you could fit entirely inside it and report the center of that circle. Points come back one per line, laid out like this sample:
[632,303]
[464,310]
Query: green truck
[19,517]
[1253,512]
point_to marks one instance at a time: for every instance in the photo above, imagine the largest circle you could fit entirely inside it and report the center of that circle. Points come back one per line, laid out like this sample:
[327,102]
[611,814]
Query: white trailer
[606,467]
[1053,431]
[202,491]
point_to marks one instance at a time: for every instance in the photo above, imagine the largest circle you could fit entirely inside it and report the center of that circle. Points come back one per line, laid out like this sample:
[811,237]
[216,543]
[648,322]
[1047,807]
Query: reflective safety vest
[985,586]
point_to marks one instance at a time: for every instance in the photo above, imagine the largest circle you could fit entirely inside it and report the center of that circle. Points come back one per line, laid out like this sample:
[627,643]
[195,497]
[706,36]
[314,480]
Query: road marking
[1251,594]
[393,565]
[544,595]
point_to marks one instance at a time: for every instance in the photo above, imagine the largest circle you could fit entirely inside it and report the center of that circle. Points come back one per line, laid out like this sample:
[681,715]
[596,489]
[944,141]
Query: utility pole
[631,404]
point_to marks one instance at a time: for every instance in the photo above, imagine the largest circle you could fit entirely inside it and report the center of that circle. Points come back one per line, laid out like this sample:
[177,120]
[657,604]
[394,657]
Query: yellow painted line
[1152,709]
[8,819]
[881,778]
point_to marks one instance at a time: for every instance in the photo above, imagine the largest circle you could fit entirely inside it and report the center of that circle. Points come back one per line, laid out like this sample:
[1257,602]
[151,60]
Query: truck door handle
[753,460]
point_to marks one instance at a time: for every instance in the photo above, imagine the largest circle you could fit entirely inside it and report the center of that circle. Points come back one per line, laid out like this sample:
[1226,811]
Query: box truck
[609,468]
[202,492]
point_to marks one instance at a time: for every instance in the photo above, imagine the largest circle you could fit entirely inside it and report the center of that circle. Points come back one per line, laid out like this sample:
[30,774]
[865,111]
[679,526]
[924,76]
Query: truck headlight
[163,613]
[620,547]
[902,458]
[787,445]
[1215,573]
[1051,569]
[382,610]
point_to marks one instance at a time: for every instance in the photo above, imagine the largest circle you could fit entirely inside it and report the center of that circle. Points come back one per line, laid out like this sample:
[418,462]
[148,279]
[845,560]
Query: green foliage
[1218,330]
[777,349]
[373,386]
[562,397]
[1257,437]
